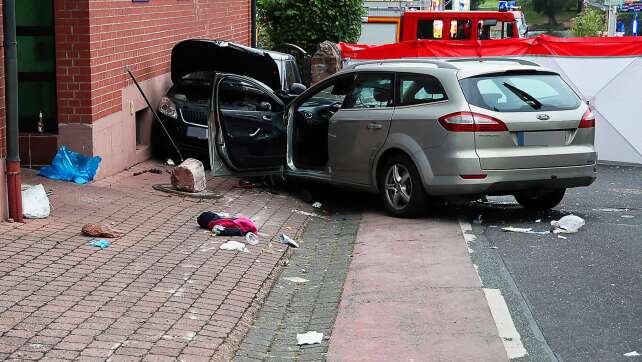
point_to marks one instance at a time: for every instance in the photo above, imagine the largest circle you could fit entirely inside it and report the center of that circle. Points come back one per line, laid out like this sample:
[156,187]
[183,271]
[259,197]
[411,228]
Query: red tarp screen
[542,45]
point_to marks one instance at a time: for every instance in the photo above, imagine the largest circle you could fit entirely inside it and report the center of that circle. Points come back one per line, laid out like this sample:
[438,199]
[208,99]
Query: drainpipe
[253,26]
[11,110]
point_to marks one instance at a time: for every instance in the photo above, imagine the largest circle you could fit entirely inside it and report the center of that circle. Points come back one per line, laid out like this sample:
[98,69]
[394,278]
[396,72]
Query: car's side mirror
[297,88]
[265,106]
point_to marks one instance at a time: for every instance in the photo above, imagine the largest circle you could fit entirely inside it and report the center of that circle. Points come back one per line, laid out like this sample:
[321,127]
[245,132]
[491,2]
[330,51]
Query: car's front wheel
[401,188]
[540,201]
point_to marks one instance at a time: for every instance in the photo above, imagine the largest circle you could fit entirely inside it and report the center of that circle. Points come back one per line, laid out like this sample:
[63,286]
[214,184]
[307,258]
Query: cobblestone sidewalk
[163,291]
[291,308]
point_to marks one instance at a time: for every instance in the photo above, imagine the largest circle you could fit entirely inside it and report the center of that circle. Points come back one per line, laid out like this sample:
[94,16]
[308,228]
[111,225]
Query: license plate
[197,132]
[542,138]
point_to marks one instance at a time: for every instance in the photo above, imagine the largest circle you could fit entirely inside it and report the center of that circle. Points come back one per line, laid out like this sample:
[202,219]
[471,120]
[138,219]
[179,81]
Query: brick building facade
[72,56]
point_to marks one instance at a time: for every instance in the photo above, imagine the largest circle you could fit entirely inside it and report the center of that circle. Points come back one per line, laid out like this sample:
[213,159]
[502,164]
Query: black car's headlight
[168,108]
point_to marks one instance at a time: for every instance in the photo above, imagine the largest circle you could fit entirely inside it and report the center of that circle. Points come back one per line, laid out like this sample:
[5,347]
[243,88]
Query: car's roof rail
[438,63]
[493,59]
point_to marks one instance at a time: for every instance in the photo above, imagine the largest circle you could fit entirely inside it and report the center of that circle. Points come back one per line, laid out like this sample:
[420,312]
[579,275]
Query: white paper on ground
[569,224]
[305,213]
[312,337]
[296,279]
[525,231]
[234,245]
[317,205]
[35,203]
[632,354]
[284,239]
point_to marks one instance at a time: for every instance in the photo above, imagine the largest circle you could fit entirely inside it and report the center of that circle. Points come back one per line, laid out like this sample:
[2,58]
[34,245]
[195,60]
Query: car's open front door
[247,132]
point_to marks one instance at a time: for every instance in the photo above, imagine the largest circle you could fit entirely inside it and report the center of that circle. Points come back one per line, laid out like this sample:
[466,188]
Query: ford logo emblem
[543,117]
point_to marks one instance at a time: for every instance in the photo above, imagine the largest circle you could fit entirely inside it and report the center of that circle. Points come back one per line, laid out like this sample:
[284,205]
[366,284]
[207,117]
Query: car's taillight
[471,122]
[168,108]
[588,119]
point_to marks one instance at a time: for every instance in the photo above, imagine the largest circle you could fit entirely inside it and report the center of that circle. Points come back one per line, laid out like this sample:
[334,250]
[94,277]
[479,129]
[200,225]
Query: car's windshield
[520,92]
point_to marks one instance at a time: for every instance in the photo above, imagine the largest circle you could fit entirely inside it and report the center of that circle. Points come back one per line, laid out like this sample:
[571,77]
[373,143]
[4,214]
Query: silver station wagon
[413,129]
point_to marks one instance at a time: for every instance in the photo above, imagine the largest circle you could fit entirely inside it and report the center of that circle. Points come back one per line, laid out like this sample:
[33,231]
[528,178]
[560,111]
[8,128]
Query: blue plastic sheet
[71,166]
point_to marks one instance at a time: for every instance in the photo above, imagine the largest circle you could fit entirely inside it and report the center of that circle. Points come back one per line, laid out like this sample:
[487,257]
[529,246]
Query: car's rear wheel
[401,189]
[541,200]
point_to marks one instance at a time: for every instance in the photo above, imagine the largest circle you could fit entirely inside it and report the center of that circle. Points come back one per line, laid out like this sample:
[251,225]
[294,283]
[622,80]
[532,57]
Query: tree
[590,22]
[307,23]
[549,8]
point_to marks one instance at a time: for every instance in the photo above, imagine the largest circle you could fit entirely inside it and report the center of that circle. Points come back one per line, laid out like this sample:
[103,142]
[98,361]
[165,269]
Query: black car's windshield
[520,92]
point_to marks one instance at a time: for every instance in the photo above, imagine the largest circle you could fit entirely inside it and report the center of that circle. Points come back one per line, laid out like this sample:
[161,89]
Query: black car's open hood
[197,55]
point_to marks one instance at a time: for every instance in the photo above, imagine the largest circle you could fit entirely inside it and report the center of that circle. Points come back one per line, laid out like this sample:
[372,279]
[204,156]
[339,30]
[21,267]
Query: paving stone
[163,276]
[297,308]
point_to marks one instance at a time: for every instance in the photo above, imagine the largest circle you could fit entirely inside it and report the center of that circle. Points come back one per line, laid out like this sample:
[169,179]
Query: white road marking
[498,308]
[505,326]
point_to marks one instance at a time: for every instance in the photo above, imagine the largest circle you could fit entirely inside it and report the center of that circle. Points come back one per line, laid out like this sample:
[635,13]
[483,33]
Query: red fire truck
[443,25]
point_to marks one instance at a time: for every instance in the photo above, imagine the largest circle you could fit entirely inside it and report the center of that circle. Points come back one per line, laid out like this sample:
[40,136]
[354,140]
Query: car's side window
[420,89]
[335,93]
[243,96]
[371,91]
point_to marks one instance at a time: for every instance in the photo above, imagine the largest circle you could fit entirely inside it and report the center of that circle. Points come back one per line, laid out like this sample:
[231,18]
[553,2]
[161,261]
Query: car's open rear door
[247,132]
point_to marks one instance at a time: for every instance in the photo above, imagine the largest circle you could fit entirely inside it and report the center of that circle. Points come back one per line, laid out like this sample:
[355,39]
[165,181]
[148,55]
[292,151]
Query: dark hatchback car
[184,109]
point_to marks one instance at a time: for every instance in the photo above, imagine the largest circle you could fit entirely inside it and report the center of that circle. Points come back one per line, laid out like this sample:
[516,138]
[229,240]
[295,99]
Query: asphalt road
[573,299]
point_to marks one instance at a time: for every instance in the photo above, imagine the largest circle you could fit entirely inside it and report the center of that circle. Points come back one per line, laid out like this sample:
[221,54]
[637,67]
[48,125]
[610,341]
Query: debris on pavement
[305,213]
[156,171]
[189,176]
[525,230]
[234,245]
[312,337]
[284,239]
[622,209]
[317,205]
[568,224]
[252,238]
[71,166]
[35,203]
[222,224]
[170,162]
[561,237]
[297,280]
[103,244]
[100,230]
[632,354]
[538,220]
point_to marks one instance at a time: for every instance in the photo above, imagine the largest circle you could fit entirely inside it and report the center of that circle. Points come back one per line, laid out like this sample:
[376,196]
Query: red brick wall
[141,36]
[3,118]
[72,61]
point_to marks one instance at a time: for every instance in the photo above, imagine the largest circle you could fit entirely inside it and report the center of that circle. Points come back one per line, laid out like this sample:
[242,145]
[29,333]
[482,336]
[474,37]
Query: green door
[36,65]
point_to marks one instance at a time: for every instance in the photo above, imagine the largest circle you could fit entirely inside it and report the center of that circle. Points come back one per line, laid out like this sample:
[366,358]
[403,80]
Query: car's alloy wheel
[540,201]
[401,188]
[398,186]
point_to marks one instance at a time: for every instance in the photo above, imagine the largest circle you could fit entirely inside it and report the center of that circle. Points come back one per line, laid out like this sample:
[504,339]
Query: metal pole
[612,22]
[11,110]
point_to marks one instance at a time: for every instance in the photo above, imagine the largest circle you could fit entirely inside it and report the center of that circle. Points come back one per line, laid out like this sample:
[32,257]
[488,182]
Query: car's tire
[540,201]
[401,189]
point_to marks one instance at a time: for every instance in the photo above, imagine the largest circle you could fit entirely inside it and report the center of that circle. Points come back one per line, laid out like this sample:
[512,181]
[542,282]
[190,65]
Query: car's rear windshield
[520,92]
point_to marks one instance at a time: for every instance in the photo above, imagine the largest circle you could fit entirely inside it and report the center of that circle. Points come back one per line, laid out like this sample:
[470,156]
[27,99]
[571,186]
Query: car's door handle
[267,118]
[375,126]
[255,132]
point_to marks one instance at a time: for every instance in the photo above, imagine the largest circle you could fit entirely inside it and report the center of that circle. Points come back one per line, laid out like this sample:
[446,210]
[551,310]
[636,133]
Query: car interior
[311,121]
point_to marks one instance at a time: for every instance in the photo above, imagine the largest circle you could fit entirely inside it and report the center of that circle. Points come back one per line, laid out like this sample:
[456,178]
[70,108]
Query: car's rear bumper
[505,182]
